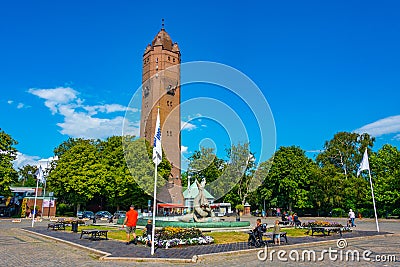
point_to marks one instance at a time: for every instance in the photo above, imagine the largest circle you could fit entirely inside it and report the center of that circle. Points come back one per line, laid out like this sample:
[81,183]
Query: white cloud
[10,102]
[184,149]
[389,125]
[187,126]
[79,119]
[20,105]
[55,97]
[397,137]
[23,160]
[108,108]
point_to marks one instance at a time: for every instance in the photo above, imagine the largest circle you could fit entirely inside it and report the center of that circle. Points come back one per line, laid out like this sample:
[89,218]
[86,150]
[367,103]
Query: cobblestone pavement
[23,249]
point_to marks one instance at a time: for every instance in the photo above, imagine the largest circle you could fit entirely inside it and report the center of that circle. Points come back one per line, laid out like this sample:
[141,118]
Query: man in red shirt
[130,222]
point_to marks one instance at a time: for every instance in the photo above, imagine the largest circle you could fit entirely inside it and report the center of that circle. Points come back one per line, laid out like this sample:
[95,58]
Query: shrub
[239,207]
[366,213]
[63,208]
[396,212]
[338,212]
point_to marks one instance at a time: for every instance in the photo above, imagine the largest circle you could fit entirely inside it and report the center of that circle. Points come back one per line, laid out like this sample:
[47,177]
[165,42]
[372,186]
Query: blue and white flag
[157,150]
[364,165]
[39,175]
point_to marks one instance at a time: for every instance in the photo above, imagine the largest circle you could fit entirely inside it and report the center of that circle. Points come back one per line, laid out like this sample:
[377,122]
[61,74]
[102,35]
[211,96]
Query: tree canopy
[8,153]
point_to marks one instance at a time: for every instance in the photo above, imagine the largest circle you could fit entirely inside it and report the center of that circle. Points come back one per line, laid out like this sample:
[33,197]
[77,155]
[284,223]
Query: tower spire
[162,24]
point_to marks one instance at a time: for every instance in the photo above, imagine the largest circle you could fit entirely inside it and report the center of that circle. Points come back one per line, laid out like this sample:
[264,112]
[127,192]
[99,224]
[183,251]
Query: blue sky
[70,68]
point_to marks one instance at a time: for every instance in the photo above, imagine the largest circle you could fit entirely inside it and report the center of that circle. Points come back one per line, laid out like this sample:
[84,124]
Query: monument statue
[201,207]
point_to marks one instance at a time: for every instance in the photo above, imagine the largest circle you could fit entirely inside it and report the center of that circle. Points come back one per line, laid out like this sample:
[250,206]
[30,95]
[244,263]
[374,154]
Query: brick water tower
[161,88]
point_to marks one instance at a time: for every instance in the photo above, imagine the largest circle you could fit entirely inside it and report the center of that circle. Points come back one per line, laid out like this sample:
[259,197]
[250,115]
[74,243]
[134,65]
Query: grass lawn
[113,232]
[293,232]
[219,237]
[232,237]
[228,237]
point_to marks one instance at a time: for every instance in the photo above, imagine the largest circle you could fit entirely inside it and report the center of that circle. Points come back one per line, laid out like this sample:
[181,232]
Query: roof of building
[193,191]
[162,38]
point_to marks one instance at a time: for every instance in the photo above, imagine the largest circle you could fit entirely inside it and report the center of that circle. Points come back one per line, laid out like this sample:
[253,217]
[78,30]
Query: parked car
[119,214]
[79,214]
[104,215]
[86,214]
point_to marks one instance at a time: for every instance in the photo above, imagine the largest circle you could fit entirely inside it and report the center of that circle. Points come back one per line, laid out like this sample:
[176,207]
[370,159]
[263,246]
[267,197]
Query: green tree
[138,156]
[345,151]
[67,145]
[385,172]
[288,180]
[204,164]
[8,153]
[121,188]
[79,175]
[238,174]
[326,188]
[26,176]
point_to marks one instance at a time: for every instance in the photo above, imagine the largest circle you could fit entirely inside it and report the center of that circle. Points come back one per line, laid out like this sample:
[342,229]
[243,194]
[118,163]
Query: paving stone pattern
[120,249]
[21,248]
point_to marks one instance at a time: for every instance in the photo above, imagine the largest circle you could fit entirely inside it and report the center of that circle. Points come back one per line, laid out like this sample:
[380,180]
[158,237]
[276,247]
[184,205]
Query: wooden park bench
[326,230]
[284,222]
[281,235]
[95,234]
[56,226]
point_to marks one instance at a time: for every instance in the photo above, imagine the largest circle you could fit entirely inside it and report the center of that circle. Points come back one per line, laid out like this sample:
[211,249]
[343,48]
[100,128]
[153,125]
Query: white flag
[39,175]
[157,150]
[364,165]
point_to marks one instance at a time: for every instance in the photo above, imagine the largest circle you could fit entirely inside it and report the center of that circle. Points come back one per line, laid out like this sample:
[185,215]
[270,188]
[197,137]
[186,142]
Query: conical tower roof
[162,38]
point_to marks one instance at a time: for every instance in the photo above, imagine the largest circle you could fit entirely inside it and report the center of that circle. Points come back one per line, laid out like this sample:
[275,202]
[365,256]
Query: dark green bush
[396,212]
[63,209]
[339,212]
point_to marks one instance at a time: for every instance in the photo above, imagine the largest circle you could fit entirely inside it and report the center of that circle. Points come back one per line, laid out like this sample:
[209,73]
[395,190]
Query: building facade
[161,89]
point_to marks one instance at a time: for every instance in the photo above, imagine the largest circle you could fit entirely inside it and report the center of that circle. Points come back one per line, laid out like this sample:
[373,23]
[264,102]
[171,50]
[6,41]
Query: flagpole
[157,157]
[373,200]
[34,212]
[153,230]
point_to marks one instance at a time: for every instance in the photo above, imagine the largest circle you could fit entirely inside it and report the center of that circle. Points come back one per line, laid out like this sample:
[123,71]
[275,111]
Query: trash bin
[74,226]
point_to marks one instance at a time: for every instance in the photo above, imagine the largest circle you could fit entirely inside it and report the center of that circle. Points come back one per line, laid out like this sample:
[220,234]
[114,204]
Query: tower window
[173,60]
[169,58]
[156,59]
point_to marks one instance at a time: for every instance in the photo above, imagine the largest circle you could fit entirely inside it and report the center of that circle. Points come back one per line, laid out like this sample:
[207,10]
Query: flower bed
[326,224]
[175,236]
[322,224]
